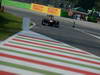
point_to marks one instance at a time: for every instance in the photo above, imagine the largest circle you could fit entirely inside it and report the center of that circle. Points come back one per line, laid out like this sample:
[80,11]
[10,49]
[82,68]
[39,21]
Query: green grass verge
[9,24]
[4,35]
[16,4]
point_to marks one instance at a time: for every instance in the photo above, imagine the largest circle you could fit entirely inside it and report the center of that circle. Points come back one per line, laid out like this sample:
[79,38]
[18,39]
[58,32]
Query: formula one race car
[50,21]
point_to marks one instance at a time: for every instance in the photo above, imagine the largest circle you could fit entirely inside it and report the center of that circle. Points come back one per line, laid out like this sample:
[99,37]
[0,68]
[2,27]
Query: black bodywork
[50,21]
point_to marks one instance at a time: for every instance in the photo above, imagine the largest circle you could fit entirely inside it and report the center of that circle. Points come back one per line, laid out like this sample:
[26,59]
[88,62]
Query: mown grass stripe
[54,59]
[42,41]
[28,68]
[53,50]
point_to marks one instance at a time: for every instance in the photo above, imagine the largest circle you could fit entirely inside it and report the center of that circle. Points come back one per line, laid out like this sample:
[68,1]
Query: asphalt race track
[71,36]
[81,37]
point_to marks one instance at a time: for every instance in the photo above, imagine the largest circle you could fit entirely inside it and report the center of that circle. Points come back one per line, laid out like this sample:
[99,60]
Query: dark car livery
[50,21]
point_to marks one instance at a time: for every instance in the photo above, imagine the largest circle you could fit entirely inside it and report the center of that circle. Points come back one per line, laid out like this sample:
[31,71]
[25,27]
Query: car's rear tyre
[57,24]
[43,23]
